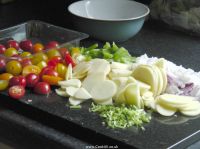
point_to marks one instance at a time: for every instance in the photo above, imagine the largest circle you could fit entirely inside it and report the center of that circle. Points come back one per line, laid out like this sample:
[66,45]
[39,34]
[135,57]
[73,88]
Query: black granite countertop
[20,129]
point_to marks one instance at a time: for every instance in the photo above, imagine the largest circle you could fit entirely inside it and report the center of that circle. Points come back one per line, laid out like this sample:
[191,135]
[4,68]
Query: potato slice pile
[144,86]
[72,89]
[140,86]
[94,85]
[153,75]
[168,104]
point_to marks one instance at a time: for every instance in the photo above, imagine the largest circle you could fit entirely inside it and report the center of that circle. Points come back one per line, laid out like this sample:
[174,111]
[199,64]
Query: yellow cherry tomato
[31,69]
[10,52]
[38,57]
[6,76]
[3,84]
[42,64]
[25,54]
[52,80]
[14,67]
[52,52]
[61,69]
[75,51]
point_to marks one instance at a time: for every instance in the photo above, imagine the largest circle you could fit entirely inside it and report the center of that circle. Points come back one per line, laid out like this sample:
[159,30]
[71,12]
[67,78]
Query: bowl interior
[109,9]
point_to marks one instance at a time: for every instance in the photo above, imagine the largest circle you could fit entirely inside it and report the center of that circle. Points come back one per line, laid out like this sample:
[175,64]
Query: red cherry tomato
[48,71]
[17,80]
[17,56]
[16,91]
[51,44]
[26,61]
[42,88]
[32,79]
[26,45]
[13,44]
[2,49]
[2,64]
[63,52]
[51,72]
[69,60]
[54,61]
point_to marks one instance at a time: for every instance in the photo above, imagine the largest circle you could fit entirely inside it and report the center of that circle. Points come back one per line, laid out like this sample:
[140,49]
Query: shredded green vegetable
[121,116]
[108,52]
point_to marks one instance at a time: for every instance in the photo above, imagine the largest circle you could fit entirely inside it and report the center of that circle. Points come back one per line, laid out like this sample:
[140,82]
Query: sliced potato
[147,94]
[82,93]
[68,74]
[131,80]
[106,102]
[119,73]
[92,80]
[164,77]
[177,106]
[104,90]
[71,82]
[81,68]
[176,99]
[143,85]
[160,80]
[149,102]
[62,93]
[146,74]
[74,101]
[185,104]
[132,95]
[117,65]
[99,66]
[71,90]
[193,105]
[120,98]
[160,63]
[79,76]
[191,112]
[165,111]
[62,88]
[120,82]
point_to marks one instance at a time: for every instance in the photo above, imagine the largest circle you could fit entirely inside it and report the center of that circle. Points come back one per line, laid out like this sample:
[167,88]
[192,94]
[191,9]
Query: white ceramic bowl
[109,20]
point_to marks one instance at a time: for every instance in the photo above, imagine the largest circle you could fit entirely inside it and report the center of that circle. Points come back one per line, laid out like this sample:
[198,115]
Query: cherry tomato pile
[26,64]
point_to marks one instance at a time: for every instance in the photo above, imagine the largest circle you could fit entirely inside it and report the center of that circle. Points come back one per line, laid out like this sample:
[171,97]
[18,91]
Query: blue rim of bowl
[107,20]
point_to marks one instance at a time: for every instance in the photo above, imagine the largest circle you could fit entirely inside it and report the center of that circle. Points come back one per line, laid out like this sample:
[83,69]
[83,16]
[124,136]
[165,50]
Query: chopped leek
[121,116]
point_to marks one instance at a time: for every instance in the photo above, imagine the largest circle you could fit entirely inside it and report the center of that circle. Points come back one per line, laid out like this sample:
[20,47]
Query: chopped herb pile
[109,52]
[121,116]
